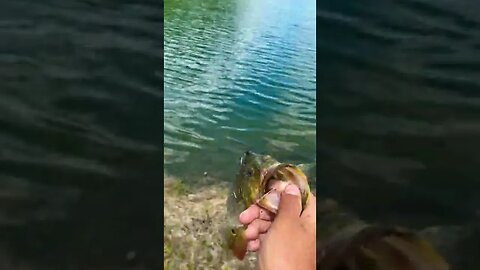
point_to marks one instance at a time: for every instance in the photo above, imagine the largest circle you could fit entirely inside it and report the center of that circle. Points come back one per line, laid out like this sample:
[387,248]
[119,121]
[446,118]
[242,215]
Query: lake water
[81,134]
[239,75]
[399,115]
[81,112]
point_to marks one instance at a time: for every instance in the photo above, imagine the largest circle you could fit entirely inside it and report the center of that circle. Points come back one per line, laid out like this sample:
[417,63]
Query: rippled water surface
[399,115]
[80,134]
[238,75]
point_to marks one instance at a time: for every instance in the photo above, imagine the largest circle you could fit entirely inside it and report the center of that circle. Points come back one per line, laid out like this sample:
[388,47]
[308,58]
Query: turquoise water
[239,75]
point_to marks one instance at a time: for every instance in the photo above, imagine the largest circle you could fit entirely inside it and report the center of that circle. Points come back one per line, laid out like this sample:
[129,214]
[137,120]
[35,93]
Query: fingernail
[242,214]
[292,190]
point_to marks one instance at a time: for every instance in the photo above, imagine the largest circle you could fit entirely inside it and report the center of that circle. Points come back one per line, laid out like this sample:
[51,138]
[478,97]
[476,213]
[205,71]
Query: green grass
[194,223]
[180,188]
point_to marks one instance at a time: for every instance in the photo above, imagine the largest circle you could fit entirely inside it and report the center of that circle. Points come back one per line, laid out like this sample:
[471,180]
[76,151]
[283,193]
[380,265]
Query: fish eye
[250,173]
[233,231]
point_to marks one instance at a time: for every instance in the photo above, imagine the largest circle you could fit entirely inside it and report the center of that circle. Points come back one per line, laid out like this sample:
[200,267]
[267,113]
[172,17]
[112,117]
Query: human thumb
[290,203]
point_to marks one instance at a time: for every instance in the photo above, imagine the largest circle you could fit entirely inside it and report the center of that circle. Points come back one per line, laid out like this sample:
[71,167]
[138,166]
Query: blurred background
[81,134]
[399,116]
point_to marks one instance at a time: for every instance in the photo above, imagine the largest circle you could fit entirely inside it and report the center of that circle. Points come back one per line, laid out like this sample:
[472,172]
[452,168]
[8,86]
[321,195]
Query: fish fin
[239,244]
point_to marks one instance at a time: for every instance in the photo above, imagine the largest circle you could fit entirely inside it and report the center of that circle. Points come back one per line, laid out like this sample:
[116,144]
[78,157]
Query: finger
[254,212]
[290,203]
[312,200]
[257,227]
[253,245]
[308,217]
[266,215]
[250,214]
[262,236]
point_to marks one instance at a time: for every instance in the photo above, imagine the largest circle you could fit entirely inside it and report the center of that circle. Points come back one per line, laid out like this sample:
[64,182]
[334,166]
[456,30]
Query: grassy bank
[194,223]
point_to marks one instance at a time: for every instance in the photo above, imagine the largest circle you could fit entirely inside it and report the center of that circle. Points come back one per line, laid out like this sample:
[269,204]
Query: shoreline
[195,220]
[193,228]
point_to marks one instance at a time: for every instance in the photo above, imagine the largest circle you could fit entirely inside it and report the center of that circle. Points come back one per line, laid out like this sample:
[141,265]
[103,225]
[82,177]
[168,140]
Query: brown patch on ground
[194,223]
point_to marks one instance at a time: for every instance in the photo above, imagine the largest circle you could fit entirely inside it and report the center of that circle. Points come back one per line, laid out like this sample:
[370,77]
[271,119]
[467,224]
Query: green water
[81,134]
[399,113]
[239,75]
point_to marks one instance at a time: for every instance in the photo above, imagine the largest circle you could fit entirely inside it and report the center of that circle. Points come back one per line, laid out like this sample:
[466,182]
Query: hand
[285,241]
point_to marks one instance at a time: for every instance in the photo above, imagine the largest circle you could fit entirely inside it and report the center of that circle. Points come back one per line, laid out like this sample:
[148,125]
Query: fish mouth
[269,172]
